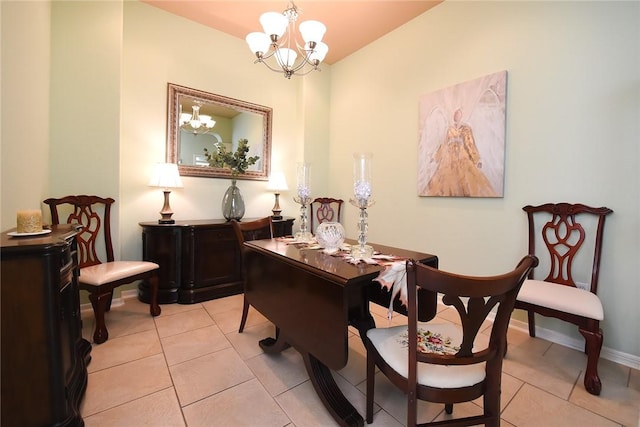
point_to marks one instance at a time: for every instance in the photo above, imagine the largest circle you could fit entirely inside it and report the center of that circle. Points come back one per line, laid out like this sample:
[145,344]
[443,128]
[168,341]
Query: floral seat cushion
[439,338]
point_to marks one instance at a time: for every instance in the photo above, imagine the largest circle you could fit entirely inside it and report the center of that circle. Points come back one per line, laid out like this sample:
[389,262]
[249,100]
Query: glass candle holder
[362,200]
[303,197]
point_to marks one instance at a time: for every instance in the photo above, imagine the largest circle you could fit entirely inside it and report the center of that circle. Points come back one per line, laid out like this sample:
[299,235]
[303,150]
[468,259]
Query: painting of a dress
[462,132]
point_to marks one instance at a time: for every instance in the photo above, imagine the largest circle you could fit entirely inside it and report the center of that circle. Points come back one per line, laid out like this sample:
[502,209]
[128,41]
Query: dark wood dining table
[312,297]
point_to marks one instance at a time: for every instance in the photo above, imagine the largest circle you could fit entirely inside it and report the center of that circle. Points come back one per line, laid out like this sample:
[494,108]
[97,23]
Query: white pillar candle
[303,172]
[362,175]
[29,221]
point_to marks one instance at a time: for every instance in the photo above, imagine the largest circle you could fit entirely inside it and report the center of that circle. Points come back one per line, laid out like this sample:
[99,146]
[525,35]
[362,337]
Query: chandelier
[195,122]
[273,42]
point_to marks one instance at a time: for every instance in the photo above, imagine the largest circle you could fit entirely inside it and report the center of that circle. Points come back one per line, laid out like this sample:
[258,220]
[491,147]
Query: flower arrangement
[238,162]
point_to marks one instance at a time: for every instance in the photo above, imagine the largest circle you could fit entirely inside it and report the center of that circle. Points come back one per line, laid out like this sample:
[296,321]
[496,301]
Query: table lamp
[166,176]
[277,183]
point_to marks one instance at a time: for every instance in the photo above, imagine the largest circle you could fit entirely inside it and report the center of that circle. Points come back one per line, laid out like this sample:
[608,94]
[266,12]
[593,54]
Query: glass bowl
[330,236]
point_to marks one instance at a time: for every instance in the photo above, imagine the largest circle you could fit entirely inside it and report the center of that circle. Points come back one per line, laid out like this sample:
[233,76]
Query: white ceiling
[351,24]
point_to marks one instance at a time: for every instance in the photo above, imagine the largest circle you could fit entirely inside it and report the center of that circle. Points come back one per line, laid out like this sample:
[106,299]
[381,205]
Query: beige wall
[573,114]
[26,58]
[153,56]
[572,93]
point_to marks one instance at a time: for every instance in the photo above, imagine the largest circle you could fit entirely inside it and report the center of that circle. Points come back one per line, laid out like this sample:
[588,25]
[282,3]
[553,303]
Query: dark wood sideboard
[44,357]
[199,260]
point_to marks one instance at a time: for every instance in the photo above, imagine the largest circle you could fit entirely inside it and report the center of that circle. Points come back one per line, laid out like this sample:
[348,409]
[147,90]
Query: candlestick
[303,198]
[362,200]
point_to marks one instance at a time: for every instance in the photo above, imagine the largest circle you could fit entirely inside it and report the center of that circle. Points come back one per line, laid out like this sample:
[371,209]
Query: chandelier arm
[306,54]
[266,64]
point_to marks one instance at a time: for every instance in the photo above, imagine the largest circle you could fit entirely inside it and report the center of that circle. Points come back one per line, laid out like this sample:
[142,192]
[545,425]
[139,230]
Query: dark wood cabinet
[44,357]
[199,260]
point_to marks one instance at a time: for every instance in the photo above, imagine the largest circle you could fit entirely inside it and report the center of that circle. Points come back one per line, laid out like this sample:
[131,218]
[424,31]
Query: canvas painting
[462,139]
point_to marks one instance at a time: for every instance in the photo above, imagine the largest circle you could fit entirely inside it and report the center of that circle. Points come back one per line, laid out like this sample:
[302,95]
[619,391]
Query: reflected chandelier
[273,42]
[195,122]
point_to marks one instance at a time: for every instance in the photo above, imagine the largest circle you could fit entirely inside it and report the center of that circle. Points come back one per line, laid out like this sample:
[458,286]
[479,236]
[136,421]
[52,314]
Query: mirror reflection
[199,120]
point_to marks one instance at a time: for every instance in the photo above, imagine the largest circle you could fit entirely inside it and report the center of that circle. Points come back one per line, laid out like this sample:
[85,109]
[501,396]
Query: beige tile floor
[190,367]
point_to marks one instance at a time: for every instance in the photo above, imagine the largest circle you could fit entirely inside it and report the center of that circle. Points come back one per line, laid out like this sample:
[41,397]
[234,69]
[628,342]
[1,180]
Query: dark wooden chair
[245,231]
[438,362]
[325,209]
[559,230]
[99,278]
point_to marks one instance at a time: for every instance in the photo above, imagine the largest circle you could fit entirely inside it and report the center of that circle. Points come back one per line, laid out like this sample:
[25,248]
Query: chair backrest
[253,230]
[473,298]
[559,230]
[92,213]
[325,209]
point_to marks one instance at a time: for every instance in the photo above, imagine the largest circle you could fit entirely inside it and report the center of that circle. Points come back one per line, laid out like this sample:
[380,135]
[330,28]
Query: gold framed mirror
[218,120]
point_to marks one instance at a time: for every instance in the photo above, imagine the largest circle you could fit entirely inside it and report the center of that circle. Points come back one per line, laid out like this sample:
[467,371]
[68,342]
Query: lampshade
[312,31]
[165,175]
[319,52]
[286,57]
[277,182]
[274,23]
[258,42]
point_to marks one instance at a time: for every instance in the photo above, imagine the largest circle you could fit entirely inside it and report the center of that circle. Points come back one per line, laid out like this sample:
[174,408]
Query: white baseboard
[116,302]
[616,356]
[607,353]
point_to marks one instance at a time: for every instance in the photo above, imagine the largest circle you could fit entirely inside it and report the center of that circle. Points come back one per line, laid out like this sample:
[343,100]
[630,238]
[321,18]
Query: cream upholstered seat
[100,274]
[439,362]
[562,298]
[97,277]
[569,238]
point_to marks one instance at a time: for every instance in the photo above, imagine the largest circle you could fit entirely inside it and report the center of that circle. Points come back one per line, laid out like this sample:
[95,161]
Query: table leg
[363,323]
[330,394]
[274,345]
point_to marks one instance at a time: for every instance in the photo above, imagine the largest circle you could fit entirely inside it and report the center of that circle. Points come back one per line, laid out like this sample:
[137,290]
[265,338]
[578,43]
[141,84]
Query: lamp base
[166,211]
[276,208]
[276,217]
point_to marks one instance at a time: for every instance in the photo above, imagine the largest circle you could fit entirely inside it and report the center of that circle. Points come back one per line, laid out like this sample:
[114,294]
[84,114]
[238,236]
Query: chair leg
[154,308]
[108,305]
[593,346]
[245,312]
[491,404]
[412,409]
[371,374]
[531,316]
[99,302]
